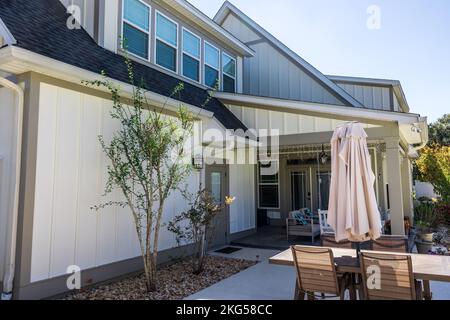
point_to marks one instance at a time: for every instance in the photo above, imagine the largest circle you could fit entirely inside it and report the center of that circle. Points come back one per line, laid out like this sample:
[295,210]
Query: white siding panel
[7,120]
[89,180]
[45,179]
[66,181]
[106,242]
[70,179]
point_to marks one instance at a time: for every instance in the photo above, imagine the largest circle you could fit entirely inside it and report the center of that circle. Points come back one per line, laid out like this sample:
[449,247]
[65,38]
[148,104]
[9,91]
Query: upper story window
[136,27]
[166,42]
[212,65]
[229,73]
[191,55]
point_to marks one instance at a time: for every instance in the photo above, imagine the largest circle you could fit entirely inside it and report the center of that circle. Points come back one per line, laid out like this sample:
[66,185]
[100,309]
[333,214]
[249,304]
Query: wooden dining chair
[388,243]
[389,277]
[316,273]
[329,240]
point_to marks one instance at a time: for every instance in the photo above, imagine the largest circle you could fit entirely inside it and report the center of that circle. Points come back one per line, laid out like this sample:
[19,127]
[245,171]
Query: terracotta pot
[424,247]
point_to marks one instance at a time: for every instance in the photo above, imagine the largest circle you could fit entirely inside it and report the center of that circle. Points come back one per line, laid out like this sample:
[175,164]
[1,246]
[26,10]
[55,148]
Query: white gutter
[318,109]
[11,224]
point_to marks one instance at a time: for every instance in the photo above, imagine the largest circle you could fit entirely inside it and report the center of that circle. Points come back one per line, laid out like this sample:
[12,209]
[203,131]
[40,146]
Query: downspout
[11,226]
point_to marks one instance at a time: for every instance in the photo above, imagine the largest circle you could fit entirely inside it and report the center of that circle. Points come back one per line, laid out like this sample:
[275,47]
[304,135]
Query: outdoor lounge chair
[316,273]
[388,243]
[295,228]
[396,279]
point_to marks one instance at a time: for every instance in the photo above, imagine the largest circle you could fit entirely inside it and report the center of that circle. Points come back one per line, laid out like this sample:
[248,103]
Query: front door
[217,184]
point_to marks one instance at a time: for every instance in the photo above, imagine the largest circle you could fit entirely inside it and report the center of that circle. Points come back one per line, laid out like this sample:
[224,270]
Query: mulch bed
[175,282]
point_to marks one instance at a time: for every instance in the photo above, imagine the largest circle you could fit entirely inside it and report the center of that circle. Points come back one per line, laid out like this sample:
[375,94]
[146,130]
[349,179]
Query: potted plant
[426,221]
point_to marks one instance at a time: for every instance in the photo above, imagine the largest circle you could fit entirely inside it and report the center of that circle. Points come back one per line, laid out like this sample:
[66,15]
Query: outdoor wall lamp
[197,162]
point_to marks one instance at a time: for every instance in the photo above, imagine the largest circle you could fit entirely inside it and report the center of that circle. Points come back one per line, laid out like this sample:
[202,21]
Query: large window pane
[229,65]
[211,77]
[166,56]
[135,41]
[268,196]
[191,68]
[191,44]
[229,84]
[166,29]
[137,13]
[211,56]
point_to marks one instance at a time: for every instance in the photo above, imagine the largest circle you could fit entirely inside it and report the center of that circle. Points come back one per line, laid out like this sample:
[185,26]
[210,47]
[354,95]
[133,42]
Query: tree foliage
[434,167]
[193,225]
[147,161]
[439,131]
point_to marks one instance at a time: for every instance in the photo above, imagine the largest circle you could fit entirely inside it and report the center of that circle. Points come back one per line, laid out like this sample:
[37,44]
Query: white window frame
[268,184]
[199,59]
[206,64]
[149,32]
[165,42]
[235,70]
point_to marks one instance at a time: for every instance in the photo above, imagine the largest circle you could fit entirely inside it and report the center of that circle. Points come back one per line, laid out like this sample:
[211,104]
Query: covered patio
[303,157]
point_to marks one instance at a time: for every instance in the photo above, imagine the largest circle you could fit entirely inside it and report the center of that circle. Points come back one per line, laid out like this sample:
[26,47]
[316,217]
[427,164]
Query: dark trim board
[56,287]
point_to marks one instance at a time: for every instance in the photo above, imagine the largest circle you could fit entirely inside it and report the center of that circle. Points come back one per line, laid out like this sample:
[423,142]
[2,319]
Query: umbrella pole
[358,249]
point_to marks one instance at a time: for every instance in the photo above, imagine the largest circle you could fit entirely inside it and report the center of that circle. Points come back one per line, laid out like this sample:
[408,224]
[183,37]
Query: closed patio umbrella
[353,211]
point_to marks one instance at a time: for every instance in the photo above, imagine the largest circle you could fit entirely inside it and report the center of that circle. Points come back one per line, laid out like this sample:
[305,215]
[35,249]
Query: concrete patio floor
[269,282]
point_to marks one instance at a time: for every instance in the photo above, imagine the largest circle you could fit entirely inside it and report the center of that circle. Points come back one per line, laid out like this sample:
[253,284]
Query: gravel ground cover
[175,282]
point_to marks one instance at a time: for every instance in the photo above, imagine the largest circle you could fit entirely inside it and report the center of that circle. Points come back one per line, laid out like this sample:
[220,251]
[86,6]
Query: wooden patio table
[425,267]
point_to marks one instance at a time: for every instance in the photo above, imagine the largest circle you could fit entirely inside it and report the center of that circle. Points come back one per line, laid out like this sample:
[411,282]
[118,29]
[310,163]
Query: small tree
[193,225]
[434,167]
[147,162]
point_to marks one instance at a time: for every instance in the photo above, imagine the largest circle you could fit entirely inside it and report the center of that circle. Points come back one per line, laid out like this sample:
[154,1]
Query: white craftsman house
[52,170]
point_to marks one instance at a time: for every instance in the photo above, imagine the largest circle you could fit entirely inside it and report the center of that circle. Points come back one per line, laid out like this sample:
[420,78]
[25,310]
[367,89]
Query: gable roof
[228,8]
[45,32]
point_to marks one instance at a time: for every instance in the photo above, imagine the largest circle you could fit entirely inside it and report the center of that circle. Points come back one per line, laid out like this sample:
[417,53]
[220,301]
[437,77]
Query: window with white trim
[136,28]
[212,66]
[166,42]
[228,73]
[191,55]
[268,185]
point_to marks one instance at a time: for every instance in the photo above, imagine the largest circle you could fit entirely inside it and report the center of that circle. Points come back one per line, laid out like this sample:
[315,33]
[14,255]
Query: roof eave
[18,60]
[320,110]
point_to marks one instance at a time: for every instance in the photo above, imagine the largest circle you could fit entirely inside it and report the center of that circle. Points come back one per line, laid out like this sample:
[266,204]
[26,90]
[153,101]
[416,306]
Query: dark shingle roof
[41,26]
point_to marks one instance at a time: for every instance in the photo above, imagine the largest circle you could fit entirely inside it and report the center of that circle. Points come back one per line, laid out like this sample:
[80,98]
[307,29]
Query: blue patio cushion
[300,217]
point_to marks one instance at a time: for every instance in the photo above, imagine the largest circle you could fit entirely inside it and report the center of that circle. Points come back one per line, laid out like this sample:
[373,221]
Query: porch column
[407,188]
[394,180]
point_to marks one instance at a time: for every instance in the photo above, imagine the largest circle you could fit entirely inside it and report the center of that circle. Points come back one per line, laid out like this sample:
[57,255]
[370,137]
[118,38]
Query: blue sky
[412,45]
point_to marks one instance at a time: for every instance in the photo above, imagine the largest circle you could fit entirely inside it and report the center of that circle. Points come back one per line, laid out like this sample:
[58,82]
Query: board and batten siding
[70,179]
[7,121]
[372,97]
[271,73]
[286,123]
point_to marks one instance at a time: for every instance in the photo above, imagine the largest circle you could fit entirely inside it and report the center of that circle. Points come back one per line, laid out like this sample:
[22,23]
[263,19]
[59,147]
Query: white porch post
[407,188]
[394,180]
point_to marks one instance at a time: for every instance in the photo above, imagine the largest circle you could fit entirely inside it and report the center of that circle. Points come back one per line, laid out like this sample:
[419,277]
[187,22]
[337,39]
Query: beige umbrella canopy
[353,211]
